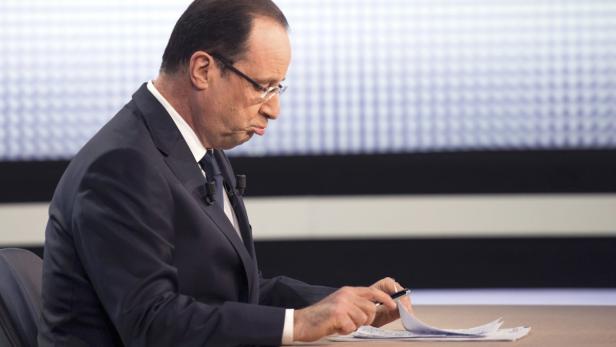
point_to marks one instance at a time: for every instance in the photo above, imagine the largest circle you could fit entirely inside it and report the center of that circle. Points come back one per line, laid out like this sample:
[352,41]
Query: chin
[234,142]
[244,140]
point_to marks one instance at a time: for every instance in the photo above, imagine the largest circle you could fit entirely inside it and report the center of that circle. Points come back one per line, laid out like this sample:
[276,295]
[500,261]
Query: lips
[259,131]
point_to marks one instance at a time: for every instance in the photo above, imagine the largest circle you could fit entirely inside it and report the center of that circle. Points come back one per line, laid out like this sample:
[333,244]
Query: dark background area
[493,172]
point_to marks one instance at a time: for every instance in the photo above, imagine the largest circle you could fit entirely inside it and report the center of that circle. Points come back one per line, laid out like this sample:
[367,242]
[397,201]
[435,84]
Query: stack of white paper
[418,330]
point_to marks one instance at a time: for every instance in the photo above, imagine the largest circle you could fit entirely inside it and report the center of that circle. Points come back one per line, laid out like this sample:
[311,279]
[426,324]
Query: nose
[271,108]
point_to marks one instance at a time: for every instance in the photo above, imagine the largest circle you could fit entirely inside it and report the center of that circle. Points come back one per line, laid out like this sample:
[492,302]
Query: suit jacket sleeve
[123,228]
[287,292]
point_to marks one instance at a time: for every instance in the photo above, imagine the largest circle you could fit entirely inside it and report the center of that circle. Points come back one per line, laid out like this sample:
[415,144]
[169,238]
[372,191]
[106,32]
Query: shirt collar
[196,147]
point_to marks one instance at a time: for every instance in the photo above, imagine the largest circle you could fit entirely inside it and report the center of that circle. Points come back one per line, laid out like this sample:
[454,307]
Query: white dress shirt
[198,151]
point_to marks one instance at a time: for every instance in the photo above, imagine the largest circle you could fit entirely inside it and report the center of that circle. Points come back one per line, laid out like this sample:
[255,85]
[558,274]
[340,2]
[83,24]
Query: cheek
[239,111]
[233,120]
[243,116]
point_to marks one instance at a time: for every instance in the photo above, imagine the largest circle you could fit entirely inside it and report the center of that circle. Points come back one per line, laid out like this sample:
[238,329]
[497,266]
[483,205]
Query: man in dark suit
[148,242]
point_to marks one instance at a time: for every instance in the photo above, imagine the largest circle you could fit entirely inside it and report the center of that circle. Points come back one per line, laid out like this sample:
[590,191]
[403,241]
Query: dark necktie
[212,173]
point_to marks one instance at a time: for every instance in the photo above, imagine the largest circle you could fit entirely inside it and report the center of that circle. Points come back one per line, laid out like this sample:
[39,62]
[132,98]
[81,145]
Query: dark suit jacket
[134,256]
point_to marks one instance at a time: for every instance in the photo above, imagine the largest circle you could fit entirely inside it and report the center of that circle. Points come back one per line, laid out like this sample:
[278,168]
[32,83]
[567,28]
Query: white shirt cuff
[287,329]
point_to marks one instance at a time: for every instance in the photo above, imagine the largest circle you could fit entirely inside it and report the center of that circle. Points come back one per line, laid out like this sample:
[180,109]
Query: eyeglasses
[266,92]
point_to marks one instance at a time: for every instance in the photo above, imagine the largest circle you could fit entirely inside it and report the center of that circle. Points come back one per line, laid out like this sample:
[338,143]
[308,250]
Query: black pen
[399,294]
[396,295]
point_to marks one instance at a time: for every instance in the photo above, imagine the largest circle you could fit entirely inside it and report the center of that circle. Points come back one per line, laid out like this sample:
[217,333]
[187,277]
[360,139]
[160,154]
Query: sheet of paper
[415,330]
[414,325]
[367,333]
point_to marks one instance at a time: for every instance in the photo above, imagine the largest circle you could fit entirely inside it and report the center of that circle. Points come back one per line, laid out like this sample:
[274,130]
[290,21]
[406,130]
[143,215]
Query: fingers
[388,285]
[346,326]
[369,309]
[361,298]
[377,295]
[359,317]
[384,316]
[356,308]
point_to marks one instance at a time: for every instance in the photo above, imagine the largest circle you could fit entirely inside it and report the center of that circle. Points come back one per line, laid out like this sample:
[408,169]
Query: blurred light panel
[366,77]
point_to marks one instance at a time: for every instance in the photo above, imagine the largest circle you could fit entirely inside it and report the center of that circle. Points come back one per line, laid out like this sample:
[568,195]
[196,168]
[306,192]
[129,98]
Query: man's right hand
[342,312]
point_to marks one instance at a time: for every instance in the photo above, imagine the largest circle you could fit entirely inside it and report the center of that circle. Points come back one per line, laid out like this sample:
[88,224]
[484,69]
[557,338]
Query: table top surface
[550,325]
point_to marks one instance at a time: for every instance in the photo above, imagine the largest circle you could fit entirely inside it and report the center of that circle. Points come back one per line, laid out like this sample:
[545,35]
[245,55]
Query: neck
[176,91]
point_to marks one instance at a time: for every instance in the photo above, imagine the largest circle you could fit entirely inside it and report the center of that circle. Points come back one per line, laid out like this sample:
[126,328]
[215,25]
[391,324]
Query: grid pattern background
[366,77]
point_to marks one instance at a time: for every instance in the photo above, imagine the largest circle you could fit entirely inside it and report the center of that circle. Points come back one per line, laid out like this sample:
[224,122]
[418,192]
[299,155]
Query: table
[551,325]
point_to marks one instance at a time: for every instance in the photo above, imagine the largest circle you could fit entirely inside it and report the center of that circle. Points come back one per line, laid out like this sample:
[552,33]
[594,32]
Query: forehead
[268,52]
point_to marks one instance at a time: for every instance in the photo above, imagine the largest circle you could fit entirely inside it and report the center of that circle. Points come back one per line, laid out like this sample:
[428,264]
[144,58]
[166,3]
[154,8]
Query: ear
[200,69]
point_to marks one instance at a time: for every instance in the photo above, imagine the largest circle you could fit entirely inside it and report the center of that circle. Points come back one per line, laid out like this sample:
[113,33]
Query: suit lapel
[182,163]
[236,201]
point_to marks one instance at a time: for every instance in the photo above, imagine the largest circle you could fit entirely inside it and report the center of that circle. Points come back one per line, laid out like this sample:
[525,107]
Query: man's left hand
[383,314]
